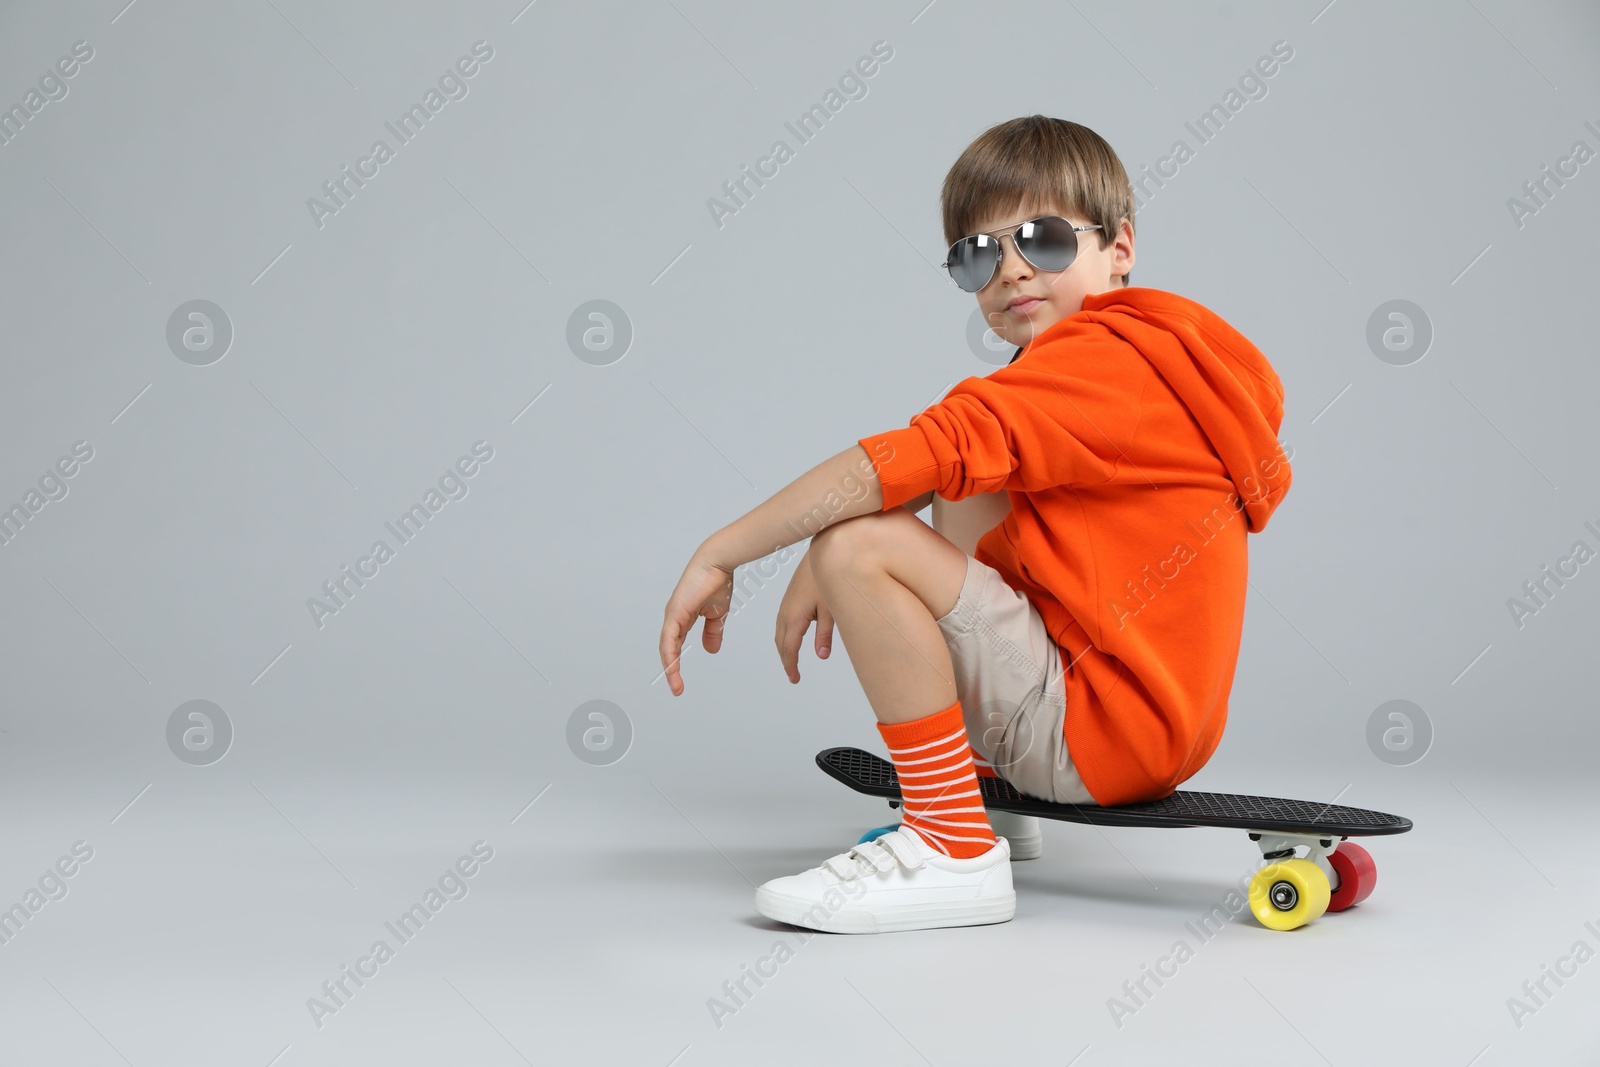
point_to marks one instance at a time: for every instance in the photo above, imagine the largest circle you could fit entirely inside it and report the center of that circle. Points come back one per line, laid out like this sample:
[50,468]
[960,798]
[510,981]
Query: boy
[1084,647]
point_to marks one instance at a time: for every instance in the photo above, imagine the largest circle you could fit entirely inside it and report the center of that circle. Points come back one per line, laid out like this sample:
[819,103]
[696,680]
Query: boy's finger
[671,652]
[664,646]
[711,633]
[824,631]
[669,663]
[788,641]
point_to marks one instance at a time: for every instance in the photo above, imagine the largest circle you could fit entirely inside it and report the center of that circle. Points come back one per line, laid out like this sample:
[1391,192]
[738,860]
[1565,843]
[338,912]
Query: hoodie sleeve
[1062,416]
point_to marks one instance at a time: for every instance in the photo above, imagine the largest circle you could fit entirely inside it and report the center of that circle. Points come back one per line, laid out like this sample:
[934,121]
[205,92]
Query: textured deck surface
[867,773]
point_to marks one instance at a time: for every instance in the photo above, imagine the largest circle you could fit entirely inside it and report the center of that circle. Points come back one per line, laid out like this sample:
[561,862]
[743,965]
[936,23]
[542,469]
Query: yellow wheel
[1288,894]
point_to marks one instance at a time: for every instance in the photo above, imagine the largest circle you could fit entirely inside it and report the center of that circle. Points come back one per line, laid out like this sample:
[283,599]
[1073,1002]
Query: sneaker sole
[793,910]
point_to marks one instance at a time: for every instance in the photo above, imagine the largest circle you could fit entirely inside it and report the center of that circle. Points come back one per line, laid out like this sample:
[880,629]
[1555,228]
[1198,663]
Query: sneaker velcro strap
[897,842]
[882,855]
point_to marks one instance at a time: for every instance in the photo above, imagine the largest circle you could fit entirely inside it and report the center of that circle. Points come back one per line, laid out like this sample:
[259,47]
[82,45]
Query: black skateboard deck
[875,776]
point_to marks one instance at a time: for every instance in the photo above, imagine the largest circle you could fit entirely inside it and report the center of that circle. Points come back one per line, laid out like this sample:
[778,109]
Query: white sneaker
[897,882]
[1027,840]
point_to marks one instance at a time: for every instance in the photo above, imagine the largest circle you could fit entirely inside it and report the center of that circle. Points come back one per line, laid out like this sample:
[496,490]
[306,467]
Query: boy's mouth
[1023,305]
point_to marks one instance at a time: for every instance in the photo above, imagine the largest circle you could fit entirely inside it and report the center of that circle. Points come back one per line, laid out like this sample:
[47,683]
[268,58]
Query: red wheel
[1357,875]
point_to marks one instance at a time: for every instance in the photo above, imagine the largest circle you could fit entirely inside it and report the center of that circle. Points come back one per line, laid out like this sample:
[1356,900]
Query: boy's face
[1048,296]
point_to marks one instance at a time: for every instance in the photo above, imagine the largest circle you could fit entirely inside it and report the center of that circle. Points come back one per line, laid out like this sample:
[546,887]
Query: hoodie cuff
[905,464]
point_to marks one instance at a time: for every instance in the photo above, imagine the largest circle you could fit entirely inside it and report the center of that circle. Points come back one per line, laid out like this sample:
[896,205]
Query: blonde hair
[1041,160]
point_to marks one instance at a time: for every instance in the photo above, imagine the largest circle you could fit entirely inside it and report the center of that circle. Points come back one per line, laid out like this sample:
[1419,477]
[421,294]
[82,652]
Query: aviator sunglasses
[1049,242]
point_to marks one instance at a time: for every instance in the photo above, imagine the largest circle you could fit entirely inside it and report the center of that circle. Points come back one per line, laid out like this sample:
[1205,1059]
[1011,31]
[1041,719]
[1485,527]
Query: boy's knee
[859,542]
[837,545]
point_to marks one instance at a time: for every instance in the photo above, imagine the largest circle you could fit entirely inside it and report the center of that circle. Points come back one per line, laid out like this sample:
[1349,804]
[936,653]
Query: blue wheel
[877,832]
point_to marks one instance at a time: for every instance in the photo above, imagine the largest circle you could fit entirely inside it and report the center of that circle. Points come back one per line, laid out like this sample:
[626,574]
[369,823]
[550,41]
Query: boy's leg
[888,578]
[1009,670]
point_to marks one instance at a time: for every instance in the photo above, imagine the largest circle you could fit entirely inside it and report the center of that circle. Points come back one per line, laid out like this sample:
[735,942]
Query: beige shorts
[1012,687]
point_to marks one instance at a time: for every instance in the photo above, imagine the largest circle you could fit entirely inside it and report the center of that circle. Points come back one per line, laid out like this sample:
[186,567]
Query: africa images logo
[453,485]
[453,85]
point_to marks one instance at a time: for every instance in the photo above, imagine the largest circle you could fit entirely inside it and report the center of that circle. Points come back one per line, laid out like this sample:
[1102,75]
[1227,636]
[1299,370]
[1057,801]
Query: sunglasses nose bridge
[1011,261]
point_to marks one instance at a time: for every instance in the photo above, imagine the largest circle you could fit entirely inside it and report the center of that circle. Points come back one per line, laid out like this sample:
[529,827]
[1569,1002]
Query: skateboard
[1292,890]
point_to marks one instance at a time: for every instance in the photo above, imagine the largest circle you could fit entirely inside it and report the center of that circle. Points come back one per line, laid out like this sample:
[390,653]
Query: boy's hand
[802,602]
[706,589]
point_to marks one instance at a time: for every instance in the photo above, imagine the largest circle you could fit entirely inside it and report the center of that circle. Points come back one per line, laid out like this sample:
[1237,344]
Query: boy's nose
[1012,265]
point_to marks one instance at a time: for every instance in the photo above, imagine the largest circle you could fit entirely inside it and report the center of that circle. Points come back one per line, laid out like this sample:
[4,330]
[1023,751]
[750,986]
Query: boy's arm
[796,511]
[1043,422]
[1024,426]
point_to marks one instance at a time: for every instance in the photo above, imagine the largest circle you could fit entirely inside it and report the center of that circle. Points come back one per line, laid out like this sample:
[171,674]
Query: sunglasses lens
[1049,243]
[972,261]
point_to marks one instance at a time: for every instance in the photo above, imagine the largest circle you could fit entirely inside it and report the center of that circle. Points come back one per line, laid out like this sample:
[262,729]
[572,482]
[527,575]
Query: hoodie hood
[1223,379]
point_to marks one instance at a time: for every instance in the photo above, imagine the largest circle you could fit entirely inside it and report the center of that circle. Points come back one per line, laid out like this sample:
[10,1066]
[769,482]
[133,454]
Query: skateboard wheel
[1288,894]
[877,832]
[1357,875]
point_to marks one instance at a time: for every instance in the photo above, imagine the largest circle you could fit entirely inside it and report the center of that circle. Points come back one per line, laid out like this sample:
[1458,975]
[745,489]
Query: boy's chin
[1023,334]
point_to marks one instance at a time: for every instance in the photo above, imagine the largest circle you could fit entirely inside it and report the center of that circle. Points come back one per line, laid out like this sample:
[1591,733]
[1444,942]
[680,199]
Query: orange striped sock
[938,784]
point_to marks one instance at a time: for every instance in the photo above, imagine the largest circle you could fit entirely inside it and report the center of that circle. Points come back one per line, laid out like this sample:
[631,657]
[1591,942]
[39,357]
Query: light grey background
[427,314]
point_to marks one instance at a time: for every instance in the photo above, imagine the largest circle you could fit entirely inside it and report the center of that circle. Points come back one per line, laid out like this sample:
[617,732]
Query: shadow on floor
[1052,877]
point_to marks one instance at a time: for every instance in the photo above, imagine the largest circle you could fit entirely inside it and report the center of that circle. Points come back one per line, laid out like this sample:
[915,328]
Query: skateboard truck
[1277,846]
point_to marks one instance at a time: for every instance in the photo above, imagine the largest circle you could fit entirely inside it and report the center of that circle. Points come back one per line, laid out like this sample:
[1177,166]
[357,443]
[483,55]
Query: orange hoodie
[1130,437]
